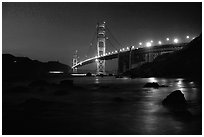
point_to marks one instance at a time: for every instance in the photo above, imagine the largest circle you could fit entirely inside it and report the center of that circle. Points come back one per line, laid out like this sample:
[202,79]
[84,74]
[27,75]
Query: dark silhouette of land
[19,68]
[186,63]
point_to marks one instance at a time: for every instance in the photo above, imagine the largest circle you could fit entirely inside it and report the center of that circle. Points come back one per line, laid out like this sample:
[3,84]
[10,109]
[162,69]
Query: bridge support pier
[123,62]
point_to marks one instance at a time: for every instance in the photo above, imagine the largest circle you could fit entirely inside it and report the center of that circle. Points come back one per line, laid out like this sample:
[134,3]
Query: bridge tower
[75,61]
[101,47]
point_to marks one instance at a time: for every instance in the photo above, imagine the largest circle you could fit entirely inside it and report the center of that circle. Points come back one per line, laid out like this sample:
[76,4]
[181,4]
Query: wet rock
[66,83]
[152,85]
[175,100]
[88,74]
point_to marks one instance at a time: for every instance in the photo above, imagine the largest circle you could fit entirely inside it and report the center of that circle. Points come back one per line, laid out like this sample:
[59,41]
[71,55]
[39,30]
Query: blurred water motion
[116,107]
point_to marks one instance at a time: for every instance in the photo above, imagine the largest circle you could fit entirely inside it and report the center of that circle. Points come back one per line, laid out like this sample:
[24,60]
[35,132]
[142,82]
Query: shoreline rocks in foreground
[175,100]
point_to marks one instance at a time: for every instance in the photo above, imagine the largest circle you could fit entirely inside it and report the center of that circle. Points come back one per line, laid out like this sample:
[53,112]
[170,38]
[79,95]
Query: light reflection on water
[139,109]
[96,80]
[152,79]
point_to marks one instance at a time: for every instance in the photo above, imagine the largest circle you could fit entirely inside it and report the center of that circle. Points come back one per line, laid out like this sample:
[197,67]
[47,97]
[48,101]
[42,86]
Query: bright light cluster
[147,44]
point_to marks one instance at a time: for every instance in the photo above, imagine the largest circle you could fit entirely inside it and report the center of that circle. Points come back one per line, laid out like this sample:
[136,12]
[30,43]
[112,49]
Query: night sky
[53,31]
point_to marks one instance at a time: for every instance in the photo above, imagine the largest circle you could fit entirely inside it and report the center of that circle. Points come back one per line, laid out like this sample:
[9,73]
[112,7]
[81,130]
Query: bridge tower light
[148,44]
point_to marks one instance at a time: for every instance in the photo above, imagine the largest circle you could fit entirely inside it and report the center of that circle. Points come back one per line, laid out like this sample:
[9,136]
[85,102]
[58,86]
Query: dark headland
[185,63]
[24,68]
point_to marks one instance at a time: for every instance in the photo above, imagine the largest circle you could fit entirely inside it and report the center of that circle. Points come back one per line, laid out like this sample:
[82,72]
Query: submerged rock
[152,85]
[88,74]
[163,86]
[175,100]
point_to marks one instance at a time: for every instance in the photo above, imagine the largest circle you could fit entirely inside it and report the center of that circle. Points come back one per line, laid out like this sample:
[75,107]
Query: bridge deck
[153,49]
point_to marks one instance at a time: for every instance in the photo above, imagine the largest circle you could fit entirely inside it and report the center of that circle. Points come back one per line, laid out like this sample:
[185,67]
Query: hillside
[25,68]
[186,63]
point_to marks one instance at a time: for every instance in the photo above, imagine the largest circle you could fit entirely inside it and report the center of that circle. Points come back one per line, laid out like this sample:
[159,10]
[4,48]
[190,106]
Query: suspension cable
[112,44]
[91,43]
[114,37]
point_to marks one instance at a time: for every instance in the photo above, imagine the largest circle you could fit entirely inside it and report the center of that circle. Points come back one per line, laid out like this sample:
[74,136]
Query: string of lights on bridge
[146,44]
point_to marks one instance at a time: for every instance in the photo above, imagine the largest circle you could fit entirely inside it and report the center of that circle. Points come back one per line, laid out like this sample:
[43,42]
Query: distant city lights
[140,43]
[159,42]
[55,72]
[187,37]
[152,41]
[167,39]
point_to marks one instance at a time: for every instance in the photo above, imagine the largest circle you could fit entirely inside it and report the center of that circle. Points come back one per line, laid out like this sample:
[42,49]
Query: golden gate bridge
[128,57]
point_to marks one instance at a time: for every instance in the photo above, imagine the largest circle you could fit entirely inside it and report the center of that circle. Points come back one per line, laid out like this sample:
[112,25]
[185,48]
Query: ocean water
[110,106]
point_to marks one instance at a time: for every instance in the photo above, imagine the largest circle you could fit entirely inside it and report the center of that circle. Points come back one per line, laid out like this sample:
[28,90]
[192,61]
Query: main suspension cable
[114,37]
